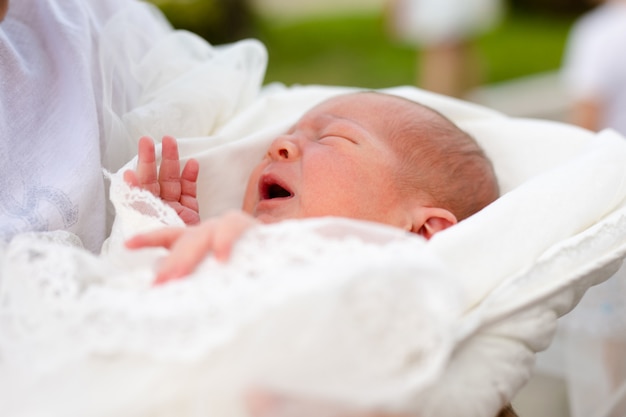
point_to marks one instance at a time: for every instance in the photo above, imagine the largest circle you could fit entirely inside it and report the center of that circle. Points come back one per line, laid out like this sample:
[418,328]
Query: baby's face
[333,162]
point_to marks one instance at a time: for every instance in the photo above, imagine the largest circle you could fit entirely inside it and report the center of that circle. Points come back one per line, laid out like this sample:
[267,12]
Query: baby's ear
[431,220]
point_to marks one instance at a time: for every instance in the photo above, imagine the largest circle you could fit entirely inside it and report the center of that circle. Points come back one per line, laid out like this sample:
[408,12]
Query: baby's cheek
[250,197]
[331,202]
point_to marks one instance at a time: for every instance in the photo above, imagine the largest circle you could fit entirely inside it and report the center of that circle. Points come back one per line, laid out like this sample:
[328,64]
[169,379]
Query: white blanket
[340,311]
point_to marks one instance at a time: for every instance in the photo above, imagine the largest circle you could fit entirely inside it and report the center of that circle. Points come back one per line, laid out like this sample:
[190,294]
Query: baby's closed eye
[334,138]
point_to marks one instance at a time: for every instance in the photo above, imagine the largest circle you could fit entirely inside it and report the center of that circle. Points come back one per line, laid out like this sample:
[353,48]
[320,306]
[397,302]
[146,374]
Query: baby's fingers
[187,252]
[169,172]
[165,238]
[130,178]
[189,246]
[189,176]
[188,183]
[229,230]
[146,172]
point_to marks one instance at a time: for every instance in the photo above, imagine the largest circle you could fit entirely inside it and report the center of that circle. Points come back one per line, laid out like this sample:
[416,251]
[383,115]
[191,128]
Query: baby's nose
[284,148]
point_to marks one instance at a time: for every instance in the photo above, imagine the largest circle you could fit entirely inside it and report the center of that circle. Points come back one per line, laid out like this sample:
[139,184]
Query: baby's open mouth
[271,189]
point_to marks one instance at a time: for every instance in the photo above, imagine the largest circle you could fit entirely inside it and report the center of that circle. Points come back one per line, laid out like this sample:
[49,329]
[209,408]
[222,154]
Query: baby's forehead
[385,116]
[326,112]
[362,100]
[366,105]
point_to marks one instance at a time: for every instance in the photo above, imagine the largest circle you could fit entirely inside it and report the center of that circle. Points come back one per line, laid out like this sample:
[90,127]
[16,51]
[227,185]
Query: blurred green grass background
[356,50]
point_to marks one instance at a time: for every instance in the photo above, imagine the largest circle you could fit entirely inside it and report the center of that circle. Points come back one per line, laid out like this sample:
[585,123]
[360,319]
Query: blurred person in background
[444,31]
[594,74]
[594,68]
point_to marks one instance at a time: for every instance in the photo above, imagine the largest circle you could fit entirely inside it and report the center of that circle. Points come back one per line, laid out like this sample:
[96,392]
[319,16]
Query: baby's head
[374,157]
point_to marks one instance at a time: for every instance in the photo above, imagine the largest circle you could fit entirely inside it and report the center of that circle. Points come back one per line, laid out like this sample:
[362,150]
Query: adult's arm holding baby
[177,189]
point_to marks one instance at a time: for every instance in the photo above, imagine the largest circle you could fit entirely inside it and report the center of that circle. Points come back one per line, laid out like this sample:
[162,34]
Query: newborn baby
[367,156]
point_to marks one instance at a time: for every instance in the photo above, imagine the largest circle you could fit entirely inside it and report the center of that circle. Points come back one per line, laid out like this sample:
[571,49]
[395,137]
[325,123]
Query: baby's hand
[190,245]
[176,189]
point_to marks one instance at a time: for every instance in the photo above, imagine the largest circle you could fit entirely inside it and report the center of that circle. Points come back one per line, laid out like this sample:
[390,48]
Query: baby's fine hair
[441,160]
